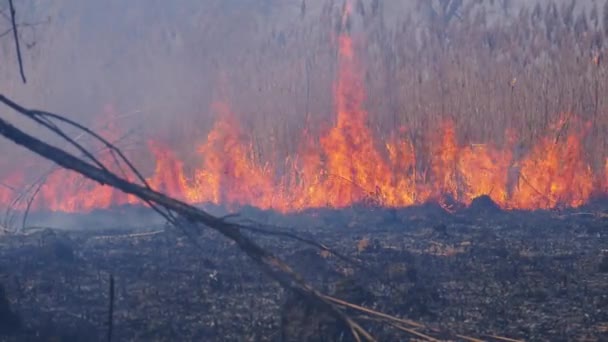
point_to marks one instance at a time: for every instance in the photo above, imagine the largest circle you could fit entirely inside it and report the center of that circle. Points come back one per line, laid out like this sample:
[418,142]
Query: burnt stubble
[528,275]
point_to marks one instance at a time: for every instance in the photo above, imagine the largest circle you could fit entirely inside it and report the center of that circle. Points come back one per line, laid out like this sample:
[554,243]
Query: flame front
[349,165]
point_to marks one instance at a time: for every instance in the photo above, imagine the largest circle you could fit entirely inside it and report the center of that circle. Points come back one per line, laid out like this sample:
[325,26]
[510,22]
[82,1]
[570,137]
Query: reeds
[486,68]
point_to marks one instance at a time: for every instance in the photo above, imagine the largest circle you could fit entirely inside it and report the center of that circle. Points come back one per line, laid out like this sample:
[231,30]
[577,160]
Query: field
[479,272]
[455,152]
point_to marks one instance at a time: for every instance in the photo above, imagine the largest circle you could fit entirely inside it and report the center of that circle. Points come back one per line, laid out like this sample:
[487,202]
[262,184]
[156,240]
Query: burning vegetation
[528,132]
[440,128]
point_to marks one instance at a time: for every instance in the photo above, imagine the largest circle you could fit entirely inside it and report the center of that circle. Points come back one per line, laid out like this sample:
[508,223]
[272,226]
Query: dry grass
[486,69]
[523,74]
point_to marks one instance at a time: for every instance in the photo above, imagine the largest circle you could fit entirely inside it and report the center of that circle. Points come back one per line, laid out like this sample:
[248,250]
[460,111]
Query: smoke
[163,64]
[160,64]
[157,68]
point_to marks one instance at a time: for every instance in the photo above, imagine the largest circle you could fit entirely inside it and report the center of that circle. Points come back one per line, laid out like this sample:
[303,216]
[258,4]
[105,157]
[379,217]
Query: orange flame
[348,166]
[554,174]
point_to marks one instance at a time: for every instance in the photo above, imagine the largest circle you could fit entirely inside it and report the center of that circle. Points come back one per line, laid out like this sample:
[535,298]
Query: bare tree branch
[16,37]
[270,264]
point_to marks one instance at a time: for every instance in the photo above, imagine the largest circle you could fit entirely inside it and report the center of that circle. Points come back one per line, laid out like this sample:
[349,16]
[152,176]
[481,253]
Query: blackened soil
[524,275]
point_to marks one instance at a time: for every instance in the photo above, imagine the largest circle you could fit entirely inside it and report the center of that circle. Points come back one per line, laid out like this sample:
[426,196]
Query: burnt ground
[537,276]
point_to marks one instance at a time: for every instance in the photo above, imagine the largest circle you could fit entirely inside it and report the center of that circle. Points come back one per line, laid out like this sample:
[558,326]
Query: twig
[40,181]
[29,205]
[16,37]
[22,25]
[522,176]
[504,338]
[373,312]
[111,309]
[6,32]
[414,332]
[470,339]
[397,322]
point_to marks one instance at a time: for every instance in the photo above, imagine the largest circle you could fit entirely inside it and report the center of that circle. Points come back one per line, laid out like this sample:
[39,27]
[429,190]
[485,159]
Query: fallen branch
[270,264]
[183,216]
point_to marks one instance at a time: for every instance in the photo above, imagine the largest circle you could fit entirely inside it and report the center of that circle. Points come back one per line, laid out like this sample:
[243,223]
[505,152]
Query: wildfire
[349,165]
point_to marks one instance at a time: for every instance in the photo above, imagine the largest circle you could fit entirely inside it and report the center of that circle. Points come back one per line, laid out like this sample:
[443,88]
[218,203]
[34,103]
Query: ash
[481,271]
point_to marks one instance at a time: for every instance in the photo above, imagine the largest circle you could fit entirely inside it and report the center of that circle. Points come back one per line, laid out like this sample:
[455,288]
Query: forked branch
[270,264]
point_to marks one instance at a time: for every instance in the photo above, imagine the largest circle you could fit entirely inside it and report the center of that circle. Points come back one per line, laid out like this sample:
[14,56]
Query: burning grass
[512,111]
[482,121]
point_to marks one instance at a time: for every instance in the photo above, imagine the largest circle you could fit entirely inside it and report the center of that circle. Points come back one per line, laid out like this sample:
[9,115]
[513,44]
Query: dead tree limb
[270,264]
[181,214]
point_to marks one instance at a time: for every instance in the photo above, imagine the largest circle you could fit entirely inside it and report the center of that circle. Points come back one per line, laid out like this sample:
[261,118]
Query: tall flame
[349,165]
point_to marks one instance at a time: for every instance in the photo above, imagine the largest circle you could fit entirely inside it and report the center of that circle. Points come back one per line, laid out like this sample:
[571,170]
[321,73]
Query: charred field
[479,271]
[451,154]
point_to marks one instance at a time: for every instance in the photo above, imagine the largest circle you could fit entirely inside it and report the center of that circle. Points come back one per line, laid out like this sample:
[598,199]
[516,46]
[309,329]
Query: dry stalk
[374,312]
[468,338]
[414,332]
[397,322]
[506,339]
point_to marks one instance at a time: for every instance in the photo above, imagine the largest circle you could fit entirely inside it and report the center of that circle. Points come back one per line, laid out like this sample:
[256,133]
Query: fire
[229,174]
[485,170]
[348,165]
[353,165]
[554,174]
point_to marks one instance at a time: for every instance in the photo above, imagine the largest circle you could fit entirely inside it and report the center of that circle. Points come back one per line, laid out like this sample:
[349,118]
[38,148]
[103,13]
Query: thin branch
[414,332]
[504,338]
[399,323]
[373,312]
[22,25]
[43,118]
[39,182]
[16,37]
[29,205]
[7,186]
